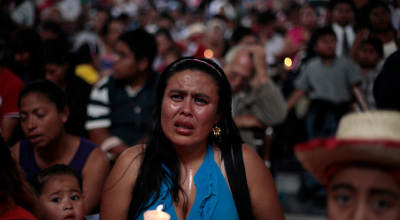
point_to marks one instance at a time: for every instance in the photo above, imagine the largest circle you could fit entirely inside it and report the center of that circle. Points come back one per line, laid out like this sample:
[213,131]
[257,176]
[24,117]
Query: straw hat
[370,137]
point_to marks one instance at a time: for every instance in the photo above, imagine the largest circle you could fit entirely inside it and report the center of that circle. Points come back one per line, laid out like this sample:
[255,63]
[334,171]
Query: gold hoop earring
[216,131]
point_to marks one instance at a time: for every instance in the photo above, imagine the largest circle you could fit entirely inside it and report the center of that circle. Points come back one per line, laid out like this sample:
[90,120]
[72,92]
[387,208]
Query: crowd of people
[111,108]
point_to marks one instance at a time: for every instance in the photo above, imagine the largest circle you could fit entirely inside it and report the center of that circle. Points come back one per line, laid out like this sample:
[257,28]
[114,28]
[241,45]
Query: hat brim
[318,155]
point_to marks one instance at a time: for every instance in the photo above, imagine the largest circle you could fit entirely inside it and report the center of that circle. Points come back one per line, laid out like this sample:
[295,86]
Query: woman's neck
[191,156]
[56,150]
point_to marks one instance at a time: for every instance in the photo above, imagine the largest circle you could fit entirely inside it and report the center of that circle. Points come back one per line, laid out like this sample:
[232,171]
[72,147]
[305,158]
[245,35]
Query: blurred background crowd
[74,43]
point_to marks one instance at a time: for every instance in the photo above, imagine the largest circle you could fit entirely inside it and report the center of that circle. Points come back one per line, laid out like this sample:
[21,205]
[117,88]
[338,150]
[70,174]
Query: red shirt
[17,212]
[10,86]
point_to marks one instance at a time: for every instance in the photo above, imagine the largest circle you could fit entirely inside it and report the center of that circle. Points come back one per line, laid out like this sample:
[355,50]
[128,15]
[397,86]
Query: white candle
[156,214]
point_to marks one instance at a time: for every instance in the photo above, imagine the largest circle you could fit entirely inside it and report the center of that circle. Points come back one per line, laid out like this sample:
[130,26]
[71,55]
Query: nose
[186,108]
[68,205]
[31,123]
[360,211]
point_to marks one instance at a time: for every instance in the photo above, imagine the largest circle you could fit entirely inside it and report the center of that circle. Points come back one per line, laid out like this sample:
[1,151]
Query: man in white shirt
[342,25]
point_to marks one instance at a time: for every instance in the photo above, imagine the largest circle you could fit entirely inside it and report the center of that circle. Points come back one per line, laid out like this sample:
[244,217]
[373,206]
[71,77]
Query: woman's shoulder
[249,153]
[252,160]
[126,168]
[131,158]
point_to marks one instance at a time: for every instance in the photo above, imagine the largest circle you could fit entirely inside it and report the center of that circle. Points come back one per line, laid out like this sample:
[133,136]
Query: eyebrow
[342,186]
[378,191]
[196,94]
[55,193]
[34,110]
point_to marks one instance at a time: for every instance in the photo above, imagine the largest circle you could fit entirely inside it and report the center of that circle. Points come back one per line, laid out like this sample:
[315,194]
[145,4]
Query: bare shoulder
[132,155]
[250,156]
[256,169]
[261,187]
[127,165]
[117,192]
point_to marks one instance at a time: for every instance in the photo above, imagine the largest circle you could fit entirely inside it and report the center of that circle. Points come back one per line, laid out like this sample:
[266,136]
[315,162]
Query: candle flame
[208,53]
[159,208]
[288,62]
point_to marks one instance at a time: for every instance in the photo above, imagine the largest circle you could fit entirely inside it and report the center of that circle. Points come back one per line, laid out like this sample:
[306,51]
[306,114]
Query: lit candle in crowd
[208,53]
[287,63]
[156,214]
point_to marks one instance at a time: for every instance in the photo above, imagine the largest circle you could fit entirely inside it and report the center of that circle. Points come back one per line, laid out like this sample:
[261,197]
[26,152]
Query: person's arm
[8,127]
[117,192]
[106,141]
[248,121]
[99,120]
[260,66]
[15,151]
[94,174]
[360,36]
[289,49]
[294,98]
[263,195]
[269,108]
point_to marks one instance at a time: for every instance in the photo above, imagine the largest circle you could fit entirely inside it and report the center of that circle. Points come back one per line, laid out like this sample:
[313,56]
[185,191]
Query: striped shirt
[125,113]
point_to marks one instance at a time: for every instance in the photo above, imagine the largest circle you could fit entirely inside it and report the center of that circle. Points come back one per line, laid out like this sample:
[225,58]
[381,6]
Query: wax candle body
[156,215]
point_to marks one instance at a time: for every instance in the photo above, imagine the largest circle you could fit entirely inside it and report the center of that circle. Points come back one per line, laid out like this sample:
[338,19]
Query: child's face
[61,198]
[368,56]
[326,46]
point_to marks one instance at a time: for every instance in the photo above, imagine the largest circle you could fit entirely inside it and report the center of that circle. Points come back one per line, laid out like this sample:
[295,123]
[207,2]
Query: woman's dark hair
[85,52]
[14,189]
[159,151]
[54,51]
[142,44]
[49,89]
[39,180]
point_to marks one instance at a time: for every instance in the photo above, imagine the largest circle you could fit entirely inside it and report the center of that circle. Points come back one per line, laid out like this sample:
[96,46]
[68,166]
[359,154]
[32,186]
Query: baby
[59,189]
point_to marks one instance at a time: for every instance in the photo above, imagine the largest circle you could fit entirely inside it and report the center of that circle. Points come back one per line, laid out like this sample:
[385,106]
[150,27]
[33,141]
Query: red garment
[10,86]
[17,212]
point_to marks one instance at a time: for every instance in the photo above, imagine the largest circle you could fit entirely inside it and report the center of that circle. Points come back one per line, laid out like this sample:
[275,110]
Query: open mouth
[69,217]
[182,126]
[35,138]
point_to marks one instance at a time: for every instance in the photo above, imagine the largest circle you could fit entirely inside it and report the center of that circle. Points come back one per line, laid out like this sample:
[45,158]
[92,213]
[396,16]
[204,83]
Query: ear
[64,114]
[143,64]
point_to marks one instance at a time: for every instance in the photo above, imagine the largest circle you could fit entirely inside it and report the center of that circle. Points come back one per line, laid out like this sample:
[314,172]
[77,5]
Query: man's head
[55,60]
[135,52]
[363,191]
[267,23]
[239,68]
[342,12]
[360,167]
